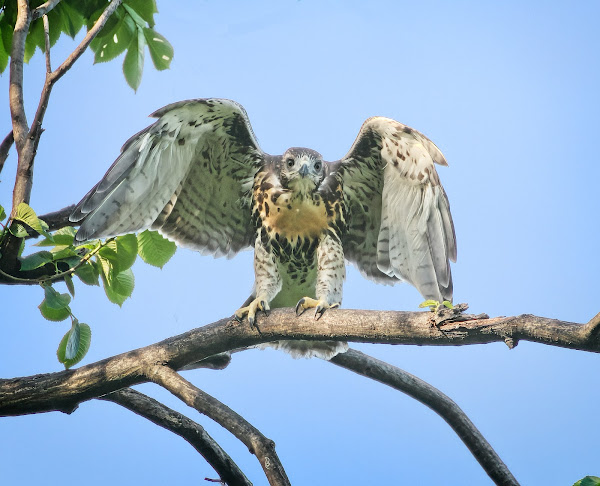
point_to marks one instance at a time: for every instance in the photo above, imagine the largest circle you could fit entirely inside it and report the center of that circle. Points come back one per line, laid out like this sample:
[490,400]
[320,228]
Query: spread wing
[399,223]
[188,175]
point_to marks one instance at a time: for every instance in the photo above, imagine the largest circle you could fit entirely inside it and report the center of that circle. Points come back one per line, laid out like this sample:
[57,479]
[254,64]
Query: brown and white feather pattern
[400,225]
[189,175]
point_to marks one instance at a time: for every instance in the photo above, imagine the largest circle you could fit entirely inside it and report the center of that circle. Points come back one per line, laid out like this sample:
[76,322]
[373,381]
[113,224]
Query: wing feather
[188,175]
[408,231]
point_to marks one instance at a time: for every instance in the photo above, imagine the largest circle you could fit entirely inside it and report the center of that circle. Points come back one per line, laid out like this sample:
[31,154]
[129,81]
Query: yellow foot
[258,304]
[320,306]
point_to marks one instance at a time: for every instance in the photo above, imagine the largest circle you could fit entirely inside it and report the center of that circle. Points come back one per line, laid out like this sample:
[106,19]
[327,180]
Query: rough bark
[63,391]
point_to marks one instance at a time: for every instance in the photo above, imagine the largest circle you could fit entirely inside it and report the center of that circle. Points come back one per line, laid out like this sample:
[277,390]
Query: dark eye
[290,162]
[317,165]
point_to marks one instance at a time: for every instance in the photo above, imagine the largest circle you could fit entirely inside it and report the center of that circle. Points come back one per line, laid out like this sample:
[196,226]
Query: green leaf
[26,214]
[154,248]
[35,39]
[119,286]
[54,314]
[115,41]
[144,8]
[71,20]
[63,236]
[63,252]
[121,252]
[88,274]
[54,300]
[161,51]
[35,260]
[70,285]
[133,65]
[588,481]
[18,230]
[3,58]
[75,344]
[2,213]
[429,303]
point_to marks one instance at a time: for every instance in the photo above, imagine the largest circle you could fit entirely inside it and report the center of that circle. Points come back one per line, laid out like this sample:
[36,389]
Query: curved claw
[300,305]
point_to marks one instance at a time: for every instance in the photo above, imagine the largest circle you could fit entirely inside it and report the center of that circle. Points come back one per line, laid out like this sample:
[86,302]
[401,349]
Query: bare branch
[63,391]
[47,44]
[257,443]
[44,8]
[5,148]
[441,404]
[189,430]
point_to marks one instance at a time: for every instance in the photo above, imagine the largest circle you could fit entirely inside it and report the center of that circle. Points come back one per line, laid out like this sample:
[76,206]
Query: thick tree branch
[15,91]
[189,430]
[441,404]
[64,390]
[257,443]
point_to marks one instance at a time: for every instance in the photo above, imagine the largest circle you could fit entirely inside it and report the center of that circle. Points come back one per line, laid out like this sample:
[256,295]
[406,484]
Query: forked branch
[179,424]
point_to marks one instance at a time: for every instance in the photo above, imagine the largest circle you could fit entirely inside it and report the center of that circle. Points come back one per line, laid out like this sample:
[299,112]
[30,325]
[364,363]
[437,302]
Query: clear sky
[507,90]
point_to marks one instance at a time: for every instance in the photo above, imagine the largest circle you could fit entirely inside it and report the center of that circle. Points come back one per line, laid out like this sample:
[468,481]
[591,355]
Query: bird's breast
[293,218]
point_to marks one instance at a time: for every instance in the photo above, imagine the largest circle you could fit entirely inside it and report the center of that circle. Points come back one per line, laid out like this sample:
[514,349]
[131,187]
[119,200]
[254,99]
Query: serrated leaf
[72,344]
[51,314]
[154,248]
[133,65]
[63,252]
[69,283]
[87,274]
[2,213]
[121,252]
[119,286]
[35,39]
[26,214]
[35,260]
[161,51]
[83,344]
[55,300]
[71,20]
[114,41]
[18,230]
[63,236]
[145,9]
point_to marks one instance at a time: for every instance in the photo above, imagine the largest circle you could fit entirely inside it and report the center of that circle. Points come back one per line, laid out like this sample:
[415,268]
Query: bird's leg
[331,272]
[267,284]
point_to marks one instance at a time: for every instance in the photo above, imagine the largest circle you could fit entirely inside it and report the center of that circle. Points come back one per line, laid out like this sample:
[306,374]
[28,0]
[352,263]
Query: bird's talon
[298,305]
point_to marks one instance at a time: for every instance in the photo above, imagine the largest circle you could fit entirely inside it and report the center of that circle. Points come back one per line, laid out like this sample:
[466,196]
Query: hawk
[199,177]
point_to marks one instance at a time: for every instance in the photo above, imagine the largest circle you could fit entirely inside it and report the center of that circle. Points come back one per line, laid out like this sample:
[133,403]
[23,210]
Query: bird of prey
[199,177]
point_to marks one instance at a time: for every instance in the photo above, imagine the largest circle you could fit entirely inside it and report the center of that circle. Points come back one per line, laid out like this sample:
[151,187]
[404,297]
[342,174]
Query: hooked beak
[303,170]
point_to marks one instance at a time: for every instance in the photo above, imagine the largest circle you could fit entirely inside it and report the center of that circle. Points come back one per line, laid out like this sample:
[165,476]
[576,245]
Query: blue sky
[507,90]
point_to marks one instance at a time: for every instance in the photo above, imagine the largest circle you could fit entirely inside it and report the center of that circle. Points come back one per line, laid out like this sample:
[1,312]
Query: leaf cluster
[92,262]
[130,29]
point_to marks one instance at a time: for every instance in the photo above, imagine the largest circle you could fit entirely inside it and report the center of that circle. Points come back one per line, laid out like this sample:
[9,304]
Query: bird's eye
[290,162]
[317,165]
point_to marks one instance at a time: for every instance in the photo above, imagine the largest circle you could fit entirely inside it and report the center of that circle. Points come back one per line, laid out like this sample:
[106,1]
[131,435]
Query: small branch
[257,443]
[428,395]
[47,43]
[189,430]
[44,8]
[5,148]
[76,54]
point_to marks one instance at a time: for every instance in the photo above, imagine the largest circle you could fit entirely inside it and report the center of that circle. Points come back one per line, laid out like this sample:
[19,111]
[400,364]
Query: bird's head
[302,170]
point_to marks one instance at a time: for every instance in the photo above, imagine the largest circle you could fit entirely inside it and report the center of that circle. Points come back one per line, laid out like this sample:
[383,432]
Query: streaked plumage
[199,177]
